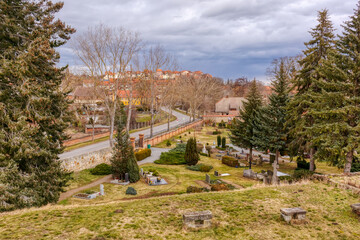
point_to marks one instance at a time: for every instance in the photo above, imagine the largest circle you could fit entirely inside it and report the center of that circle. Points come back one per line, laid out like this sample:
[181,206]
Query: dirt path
[90,185]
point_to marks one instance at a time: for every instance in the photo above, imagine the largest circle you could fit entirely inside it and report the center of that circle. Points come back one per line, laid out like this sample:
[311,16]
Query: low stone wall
[159,138]
[88,160]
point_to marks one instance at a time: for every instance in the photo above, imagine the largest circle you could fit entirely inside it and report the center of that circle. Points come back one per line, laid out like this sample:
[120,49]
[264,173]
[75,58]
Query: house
[226,109]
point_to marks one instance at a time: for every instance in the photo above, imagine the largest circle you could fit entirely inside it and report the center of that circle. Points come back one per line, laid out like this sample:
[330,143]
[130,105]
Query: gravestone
[289,214]
[102,192]
[197,219]
[126,177]
[248,173]
[207,178]
[142,172]
[216,173]
[356,208]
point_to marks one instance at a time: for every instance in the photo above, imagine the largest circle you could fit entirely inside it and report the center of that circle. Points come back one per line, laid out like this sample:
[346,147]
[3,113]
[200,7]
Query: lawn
[81,178]
[251,213]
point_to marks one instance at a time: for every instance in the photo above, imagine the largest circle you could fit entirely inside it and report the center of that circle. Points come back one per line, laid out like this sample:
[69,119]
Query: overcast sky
[226,38]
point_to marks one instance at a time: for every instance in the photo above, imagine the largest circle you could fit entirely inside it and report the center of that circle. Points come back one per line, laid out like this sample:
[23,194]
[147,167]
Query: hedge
[142,154]
[174,157]
[230,161]
[101,169]
[200,167]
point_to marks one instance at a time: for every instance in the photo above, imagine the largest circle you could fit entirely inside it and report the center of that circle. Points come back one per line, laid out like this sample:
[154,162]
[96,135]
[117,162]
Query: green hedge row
[230,161]
[142,154]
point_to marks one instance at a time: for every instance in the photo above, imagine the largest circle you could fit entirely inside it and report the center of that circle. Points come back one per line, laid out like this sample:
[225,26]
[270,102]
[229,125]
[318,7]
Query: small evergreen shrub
[216,132]
[142,154]
[223,142]
[230,161]
[101,169]
[203,154]
[355,166]
[174,157]
[218,141]
[200,167]
[168,143]
[130,191]
[191,154]
[303,164]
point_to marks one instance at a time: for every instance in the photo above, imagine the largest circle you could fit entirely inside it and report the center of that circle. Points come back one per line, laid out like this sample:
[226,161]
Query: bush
[154,172]
[203,154]
[216,132]
[200,167]
[130,191]
[219,187]
[355,166]
[142,154]
[218,141]
[101,169]
[168,143]
[174,157]
[230,161]
[302,174]
[303,164]
[191,155]
[192,189]
[223,142]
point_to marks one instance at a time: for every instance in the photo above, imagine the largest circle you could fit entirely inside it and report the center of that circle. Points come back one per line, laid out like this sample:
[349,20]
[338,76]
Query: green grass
[245,214]
[82,178]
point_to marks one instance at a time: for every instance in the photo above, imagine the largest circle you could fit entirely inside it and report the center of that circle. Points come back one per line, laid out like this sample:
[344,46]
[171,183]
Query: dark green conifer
[33,108]
[242,131]
[336,108]
[191,154]
[317,50]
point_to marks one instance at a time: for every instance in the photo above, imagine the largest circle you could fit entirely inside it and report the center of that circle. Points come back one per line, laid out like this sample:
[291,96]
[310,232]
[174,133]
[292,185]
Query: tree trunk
[348,162]
[274,178]
[250,158]
[312,160]
[93,130]
[130,107]
[152,109]
[112,119]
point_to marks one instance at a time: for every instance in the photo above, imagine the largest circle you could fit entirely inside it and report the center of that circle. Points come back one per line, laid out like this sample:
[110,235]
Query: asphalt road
[181,119]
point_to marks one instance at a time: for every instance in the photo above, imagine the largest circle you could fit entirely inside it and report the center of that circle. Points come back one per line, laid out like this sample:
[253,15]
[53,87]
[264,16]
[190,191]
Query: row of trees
[314,107]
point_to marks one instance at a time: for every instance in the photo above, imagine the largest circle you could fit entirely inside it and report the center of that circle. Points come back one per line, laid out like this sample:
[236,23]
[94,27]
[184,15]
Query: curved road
[181,119]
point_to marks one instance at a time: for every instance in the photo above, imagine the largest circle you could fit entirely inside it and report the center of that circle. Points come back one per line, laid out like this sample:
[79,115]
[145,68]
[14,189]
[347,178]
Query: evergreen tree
[33,109]
[336,109]
[191,154]
[218,140]
[269,127]
[223,142]
[123,159]
[242,132]
[317,50]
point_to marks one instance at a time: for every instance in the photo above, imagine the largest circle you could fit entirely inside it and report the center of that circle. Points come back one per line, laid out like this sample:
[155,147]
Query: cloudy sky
[226,38]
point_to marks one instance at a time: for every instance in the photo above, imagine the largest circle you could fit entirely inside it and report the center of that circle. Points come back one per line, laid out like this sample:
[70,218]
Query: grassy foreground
[245,214]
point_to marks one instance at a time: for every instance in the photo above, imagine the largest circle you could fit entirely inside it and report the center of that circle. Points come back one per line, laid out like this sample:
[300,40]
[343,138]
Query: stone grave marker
[197,219]
[356,208]
[207,178]
[289,214]
[102,192]
[216,173]
[142,172]
[126,177]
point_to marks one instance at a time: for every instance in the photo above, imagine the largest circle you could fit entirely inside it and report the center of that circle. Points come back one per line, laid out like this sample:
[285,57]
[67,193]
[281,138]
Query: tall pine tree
[336,109]
[33,109]
[123,159]
[242,132]
[317,50]
[270,132]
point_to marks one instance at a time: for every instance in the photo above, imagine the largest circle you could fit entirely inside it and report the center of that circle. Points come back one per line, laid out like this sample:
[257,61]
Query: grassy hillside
[245,214]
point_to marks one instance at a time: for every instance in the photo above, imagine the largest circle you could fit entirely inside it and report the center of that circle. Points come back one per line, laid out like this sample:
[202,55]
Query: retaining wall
[90,160]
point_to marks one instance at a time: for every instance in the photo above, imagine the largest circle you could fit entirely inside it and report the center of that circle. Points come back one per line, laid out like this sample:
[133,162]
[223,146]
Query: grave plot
[152,177]
[124,181]
[90,195]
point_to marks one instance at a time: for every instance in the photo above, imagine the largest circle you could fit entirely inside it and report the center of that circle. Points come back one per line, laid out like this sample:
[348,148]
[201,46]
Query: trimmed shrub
[230,161]
[223,142]
[168,143]
[193,189]
[130,191]
[219,187]
[303,164]
[200,167]
[174,157]
[218,141]
[101,169]
[142,154]
[191,155]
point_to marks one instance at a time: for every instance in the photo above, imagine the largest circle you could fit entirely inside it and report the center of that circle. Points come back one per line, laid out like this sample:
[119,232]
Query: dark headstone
[207,178]
[126,177]
[216,173]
